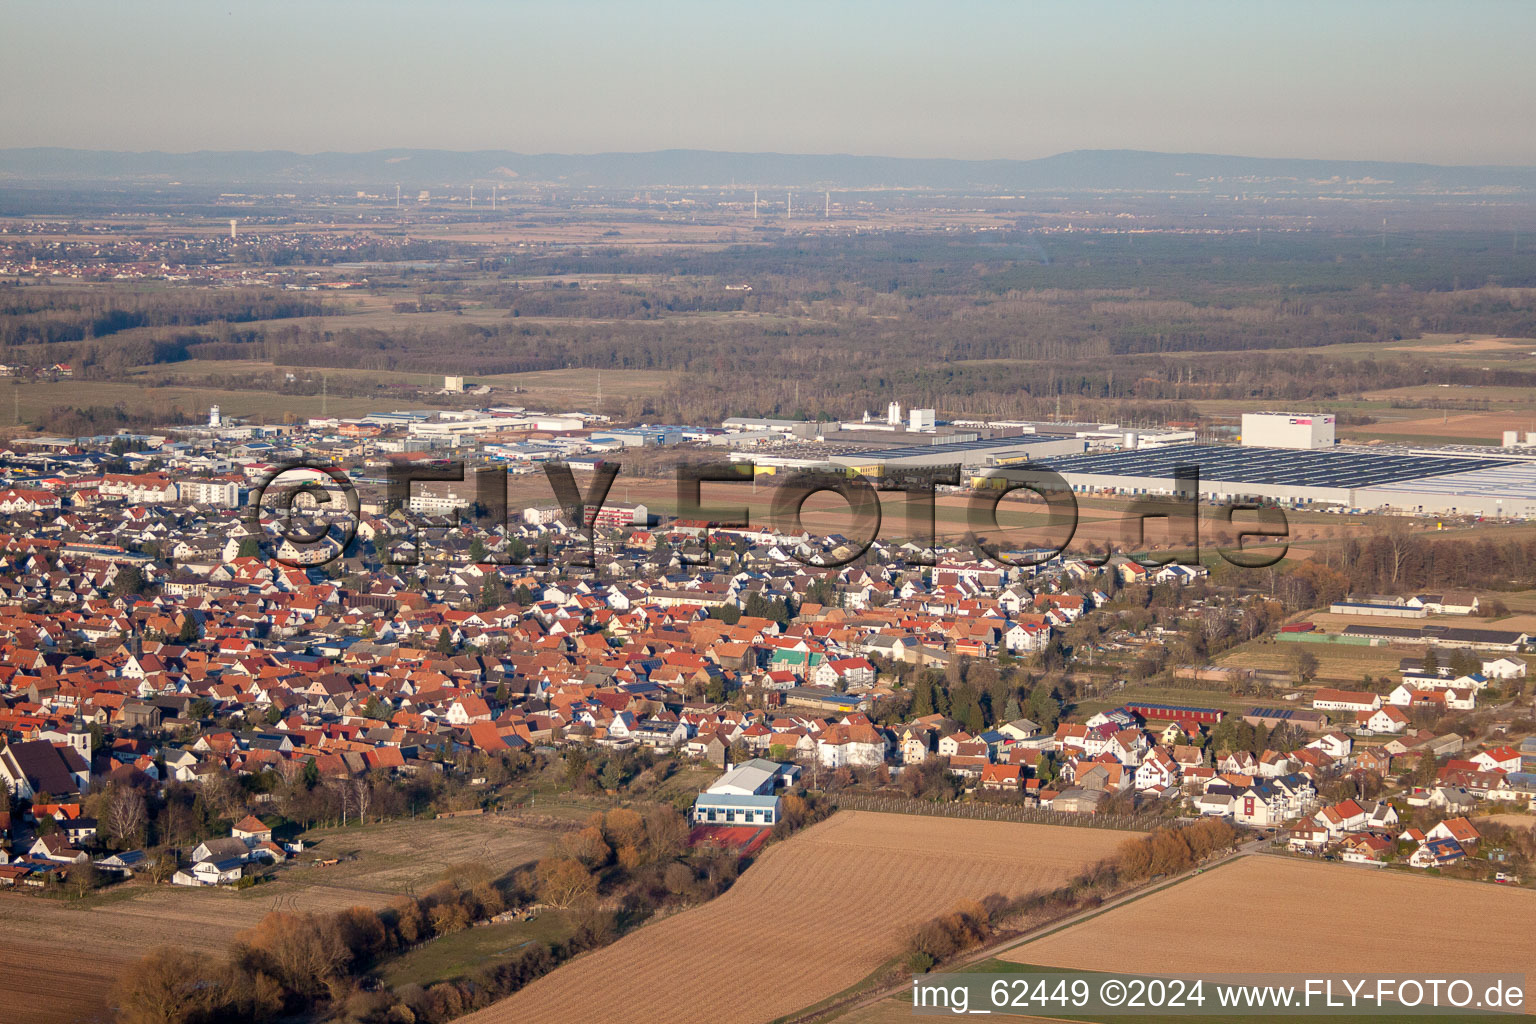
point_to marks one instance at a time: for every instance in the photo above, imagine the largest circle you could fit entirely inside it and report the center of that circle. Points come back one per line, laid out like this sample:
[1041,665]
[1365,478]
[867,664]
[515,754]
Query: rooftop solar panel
[959,448]
[1279,466]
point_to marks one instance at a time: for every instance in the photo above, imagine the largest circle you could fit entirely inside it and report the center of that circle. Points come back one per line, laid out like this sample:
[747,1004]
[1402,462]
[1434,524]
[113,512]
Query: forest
[1100,326]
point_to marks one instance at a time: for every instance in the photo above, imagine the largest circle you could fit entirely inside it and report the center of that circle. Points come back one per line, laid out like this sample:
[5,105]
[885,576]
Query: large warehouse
[1305,430]
[1354,478]
[968,455]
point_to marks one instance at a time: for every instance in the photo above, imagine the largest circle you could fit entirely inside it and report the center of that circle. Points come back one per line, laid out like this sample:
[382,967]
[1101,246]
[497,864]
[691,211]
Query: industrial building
[1351,478]
[645,435]
[968,455]
[1288,430]
[1507,488]
[899,437]
[1284,458]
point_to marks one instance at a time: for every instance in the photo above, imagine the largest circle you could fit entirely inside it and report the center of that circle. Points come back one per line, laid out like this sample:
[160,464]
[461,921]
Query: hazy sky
[1449,81]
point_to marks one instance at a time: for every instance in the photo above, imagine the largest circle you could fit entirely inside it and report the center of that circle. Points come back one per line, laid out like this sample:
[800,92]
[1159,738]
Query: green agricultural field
[33,399]
[463,953]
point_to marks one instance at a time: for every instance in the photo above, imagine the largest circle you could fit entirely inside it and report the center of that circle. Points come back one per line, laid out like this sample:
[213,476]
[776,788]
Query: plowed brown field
[813,916]
[1356,919]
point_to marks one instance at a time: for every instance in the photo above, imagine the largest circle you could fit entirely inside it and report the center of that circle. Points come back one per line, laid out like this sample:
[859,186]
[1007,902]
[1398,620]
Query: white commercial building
[1288,430]
[744,795]
[223,493]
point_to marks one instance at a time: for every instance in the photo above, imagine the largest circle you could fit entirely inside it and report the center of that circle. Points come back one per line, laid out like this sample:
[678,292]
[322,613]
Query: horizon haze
[973,81]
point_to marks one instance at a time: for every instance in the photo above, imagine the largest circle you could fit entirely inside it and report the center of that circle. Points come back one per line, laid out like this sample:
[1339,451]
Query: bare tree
[127,815]
[221,791]
[343,790]
[1215,625]
[159,866]
[362,791]
[82,878]
[1394,530]
[564,881]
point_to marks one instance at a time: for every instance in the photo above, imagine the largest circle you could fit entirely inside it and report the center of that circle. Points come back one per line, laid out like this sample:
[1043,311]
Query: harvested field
[1453,427]
[824,909]
[1440,343]
[1350,909]
[1510,818]
[1338,664]
[81,948]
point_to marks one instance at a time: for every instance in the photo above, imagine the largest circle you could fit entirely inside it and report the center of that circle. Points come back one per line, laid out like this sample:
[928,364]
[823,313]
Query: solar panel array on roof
[959,448]
[1514,480]
[1281,466]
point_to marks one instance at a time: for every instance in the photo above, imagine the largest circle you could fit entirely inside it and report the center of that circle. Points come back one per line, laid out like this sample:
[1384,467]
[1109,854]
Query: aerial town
[160,631]
[268,651]
[693,514]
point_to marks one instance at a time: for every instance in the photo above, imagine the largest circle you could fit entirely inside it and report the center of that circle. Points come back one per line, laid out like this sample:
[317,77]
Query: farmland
[186,389]
[83,947]
[1258,903]
[824,908]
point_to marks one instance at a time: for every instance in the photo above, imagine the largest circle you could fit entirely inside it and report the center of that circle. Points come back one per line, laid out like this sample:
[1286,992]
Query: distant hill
[1130,170]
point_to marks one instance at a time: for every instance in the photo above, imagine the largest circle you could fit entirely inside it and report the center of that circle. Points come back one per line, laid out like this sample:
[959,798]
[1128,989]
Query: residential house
[1005,778]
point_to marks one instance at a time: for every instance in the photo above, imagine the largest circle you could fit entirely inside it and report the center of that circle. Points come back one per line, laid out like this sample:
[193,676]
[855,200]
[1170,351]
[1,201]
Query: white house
[1381,815]
[1459,829]
[1215,805]
[654,733]
[1335,744]
[56,847]
[251,830]
[851,672]
[1026,637]
[949,745]
[467,709]
[1342,818]
[1499,759]
[1308,835]
[210,872]
[1157,771]
[1389,719]
[1259,807]
[1370,850]
[1504,668]
[855,746]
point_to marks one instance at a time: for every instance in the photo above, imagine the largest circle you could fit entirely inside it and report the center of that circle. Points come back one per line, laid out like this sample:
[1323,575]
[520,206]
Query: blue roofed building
[745,795]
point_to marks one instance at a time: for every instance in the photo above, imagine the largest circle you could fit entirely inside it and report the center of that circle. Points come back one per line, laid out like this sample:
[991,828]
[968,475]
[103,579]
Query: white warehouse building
[1288,430]
[745,795]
